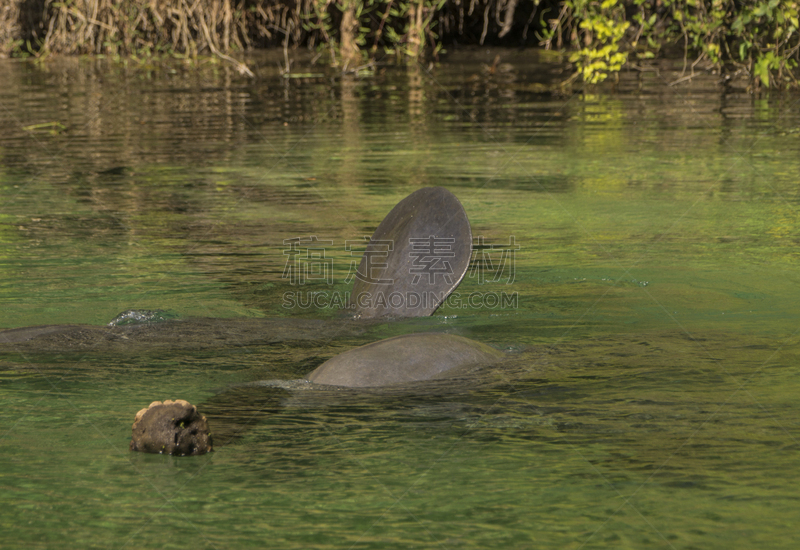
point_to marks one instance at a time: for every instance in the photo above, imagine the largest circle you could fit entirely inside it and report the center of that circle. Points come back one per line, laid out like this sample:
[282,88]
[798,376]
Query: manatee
[389,364]
[16,335]
[403,359]
[186,334]
[416,257]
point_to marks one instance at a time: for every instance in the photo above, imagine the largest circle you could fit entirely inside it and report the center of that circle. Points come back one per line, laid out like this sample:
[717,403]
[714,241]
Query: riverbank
[753,39]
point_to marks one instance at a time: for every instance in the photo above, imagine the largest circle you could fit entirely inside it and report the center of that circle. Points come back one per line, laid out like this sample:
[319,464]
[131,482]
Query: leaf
[761,70]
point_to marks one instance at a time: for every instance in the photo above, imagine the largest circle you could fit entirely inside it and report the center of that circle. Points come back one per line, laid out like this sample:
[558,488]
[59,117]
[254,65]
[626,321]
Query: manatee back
[403,359]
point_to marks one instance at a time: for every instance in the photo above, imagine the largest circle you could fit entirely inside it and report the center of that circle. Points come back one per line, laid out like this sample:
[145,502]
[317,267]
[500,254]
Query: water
[650,394]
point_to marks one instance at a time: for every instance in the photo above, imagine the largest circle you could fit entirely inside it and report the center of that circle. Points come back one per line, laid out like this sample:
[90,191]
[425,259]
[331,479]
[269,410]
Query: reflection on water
[649,393]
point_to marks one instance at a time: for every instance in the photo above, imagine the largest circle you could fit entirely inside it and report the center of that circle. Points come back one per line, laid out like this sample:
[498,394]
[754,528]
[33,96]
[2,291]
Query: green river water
[651,398]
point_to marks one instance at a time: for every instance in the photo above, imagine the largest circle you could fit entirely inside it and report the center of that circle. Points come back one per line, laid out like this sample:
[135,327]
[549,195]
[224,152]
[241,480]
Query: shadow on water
[235,411]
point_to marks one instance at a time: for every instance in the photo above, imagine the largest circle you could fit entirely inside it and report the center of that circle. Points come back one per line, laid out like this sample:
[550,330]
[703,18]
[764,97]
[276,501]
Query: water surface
[651,390]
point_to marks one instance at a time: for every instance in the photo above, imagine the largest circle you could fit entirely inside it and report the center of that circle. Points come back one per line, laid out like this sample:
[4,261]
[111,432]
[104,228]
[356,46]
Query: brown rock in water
[171,427]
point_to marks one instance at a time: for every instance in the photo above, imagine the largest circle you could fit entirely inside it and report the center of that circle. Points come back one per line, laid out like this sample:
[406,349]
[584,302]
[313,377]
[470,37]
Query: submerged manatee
[172,335]
[403,359]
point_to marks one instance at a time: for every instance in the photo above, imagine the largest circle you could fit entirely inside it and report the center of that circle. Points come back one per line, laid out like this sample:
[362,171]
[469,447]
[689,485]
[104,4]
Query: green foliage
[396,27]
[601,28]
[596,31]
[416,36]
[22,49]
[767,36]
[758,36]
